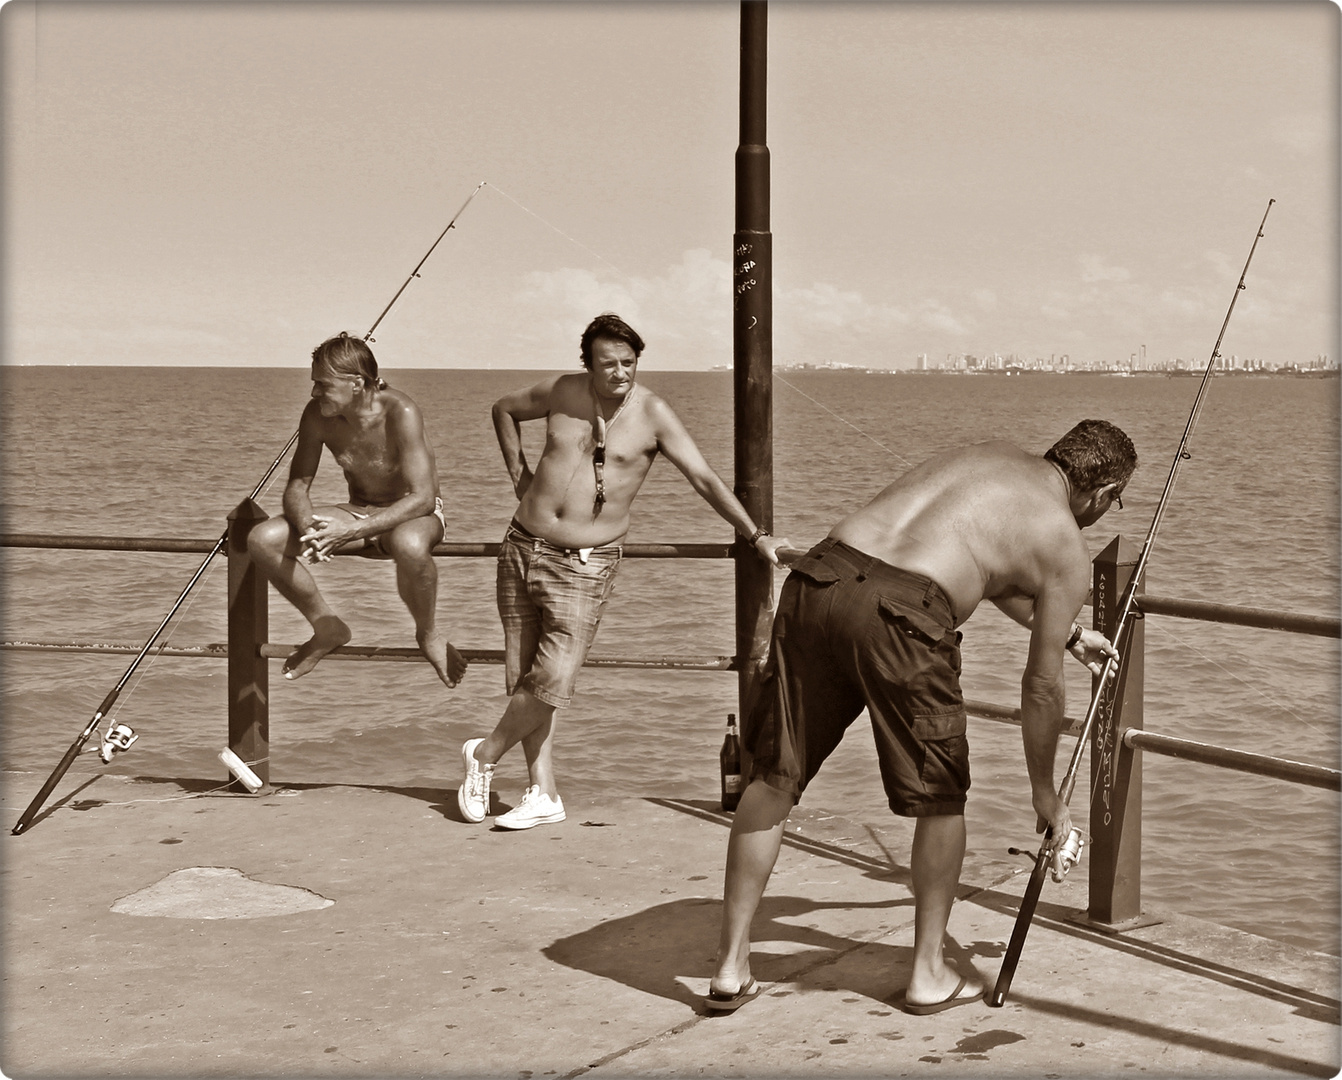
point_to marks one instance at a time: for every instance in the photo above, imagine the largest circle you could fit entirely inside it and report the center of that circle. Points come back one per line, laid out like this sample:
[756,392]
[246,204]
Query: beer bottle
[730,760]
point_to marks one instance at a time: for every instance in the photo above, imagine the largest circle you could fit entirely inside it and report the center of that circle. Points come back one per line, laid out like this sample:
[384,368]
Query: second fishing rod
[1101,697]
[119,737]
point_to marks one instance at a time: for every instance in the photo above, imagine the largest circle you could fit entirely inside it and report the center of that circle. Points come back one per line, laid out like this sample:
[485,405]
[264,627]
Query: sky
[231,183]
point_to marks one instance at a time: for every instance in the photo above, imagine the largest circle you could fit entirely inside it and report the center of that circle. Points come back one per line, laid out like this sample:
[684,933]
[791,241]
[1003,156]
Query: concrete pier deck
[154,930]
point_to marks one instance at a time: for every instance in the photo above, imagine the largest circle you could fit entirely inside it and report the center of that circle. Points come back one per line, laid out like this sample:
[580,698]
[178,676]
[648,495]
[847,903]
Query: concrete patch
[217,892]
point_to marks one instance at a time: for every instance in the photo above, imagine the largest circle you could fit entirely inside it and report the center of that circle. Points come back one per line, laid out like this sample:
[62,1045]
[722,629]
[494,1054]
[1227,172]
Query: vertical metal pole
[248,629]
[752,346]
[1115,770]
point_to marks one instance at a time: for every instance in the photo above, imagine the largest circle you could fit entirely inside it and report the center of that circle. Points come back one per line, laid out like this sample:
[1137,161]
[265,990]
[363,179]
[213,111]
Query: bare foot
[330,633]
[727,980]
[949,987]
[449,663]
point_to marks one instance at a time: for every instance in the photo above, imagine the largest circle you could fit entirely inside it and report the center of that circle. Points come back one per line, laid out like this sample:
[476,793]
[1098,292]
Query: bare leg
[757,834]
[273,546]
[410,544]
[539,749]
[938,853]
[530,721]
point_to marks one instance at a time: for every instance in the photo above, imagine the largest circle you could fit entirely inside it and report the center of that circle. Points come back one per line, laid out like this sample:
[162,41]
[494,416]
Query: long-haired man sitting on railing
[376,435]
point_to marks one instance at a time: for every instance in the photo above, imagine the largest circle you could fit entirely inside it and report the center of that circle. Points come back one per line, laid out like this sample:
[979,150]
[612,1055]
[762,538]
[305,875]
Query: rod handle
[27,816]
[1017,944]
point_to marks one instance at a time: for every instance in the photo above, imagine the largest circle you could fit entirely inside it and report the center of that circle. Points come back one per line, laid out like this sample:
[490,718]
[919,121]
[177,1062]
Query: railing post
[248,629]
[1115,770]
[752,349]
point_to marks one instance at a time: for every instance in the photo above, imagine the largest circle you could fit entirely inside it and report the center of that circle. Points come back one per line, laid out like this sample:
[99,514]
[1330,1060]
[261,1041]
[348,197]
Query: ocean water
[168,452]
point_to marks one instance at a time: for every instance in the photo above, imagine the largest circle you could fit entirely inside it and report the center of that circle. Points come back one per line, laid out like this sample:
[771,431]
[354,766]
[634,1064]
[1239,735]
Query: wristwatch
[753,537]
[1076,635]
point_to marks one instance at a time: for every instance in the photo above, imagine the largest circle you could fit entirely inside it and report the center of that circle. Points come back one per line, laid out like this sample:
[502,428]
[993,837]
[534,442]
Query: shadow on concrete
[1179,1037]
[443,800]
[888,870]
[69,802]
[1058,919]
[657,949]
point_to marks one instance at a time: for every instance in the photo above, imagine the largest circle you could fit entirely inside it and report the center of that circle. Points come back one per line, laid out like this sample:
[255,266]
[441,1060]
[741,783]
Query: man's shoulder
[398,399]
[1062,547]
[399,407]
[999,449]
[565,387]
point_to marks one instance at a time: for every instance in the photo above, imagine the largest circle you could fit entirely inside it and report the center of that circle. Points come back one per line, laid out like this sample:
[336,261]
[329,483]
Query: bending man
[376,435]
[867,619]
[562,549]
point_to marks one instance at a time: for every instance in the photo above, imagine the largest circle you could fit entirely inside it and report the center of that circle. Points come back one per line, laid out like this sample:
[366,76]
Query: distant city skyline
[229,184]
[996,362]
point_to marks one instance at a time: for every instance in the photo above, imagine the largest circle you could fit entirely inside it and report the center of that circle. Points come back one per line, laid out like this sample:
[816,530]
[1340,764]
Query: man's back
[987,521]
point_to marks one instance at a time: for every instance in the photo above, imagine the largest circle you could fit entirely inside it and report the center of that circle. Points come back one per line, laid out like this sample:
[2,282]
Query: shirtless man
[562,550]
[376,435]
[867,618]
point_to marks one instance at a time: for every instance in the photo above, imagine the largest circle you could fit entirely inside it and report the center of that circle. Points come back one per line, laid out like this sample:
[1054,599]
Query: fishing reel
[118,738]
[1067,854]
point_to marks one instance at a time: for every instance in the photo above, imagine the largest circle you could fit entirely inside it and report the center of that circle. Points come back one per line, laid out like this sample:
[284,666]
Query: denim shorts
[550,600]
[853,632]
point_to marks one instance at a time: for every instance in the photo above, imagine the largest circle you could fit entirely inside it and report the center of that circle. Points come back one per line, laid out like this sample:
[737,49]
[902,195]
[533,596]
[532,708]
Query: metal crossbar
[1136,739]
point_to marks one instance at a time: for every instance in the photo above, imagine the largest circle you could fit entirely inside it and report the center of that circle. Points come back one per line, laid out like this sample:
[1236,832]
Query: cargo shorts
[853,632]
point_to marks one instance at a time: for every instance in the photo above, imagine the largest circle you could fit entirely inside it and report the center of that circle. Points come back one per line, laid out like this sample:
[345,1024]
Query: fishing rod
[1070,849]
[415,272]
[119,737]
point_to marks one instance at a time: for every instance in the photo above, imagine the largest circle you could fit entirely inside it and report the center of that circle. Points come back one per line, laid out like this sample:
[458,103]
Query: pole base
[1082,918]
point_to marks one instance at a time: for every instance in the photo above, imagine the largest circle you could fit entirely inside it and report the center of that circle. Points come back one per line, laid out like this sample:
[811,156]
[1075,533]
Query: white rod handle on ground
[239,768]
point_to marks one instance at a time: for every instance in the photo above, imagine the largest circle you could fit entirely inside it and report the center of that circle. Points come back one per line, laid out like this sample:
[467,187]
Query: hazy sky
[229,184]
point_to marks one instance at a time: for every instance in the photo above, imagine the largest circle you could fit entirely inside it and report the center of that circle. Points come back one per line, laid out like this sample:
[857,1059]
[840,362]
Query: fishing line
[832,413]
[556,228]
[1262,693]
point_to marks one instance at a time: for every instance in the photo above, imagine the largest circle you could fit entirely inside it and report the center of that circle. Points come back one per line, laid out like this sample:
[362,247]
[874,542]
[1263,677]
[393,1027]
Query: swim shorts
[853,632]
[550,600]
[373,548]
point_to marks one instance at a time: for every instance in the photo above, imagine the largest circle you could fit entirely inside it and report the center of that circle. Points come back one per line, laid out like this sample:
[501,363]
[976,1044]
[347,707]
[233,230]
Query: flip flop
[940,1006]
[717,1001]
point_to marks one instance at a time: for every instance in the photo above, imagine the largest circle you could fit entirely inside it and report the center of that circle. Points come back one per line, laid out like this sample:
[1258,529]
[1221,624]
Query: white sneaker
[473,795]
[535,809]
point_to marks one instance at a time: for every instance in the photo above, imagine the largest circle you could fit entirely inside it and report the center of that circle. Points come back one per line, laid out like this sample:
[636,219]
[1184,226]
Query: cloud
[822,306]
[936,316]
[1093,269]
[684,314]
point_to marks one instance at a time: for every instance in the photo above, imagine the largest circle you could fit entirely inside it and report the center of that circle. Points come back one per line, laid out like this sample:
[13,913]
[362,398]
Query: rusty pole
[752,347]
[248,628]
[1115,889]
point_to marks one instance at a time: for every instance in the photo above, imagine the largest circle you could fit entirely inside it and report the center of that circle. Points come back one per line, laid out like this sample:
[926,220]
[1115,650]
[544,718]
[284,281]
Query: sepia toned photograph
[734,538]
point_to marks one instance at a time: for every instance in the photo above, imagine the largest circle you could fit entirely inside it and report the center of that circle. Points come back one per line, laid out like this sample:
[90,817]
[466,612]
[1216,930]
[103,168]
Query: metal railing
[1115,825]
